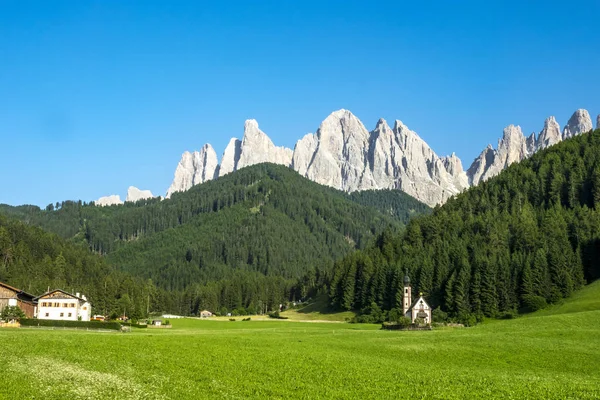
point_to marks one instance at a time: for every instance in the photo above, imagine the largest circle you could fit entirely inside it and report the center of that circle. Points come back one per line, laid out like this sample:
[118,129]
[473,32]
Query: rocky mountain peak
[257,147]
[113,199]
[580,122]
[134,194]
[194,168]
[231,157]
[550,134]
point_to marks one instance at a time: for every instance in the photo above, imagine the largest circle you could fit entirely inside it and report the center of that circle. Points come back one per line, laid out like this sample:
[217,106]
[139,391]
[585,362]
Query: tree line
[526,238]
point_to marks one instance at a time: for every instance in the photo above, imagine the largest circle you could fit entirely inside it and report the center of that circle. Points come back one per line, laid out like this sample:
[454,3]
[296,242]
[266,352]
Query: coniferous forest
[526,238]
[237,243]
[259,237]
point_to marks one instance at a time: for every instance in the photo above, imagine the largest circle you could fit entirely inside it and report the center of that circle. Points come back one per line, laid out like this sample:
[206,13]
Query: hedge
[71,324]
[134,325]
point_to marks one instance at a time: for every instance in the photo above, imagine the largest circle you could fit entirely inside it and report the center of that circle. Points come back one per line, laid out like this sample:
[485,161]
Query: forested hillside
[528,237]
[34,260]
[231,243]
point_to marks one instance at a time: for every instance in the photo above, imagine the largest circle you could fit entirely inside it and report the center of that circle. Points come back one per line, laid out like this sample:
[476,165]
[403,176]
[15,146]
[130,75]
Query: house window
[70,315]
[62,314]
[65,305]
[47,315]
[72,305]
[56,304]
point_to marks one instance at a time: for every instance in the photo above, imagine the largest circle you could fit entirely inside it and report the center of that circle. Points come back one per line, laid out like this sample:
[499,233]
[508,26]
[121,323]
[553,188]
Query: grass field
[553,354]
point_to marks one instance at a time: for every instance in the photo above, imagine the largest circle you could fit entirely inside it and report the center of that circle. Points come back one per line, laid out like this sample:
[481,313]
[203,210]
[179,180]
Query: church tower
[407,300]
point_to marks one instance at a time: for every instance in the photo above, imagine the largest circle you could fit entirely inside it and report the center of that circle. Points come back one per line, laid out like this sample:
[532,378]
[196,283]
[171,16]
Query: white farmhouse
[60,305]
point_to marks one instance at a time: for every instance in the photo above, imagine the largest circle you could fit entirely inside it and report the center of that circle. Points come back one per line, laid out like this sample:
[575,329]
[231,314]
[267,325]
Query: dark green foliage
[394,203]
[34,260]
[72,324]
[276,315]
[525,238]
[239,242]
[534,303]
[12,313]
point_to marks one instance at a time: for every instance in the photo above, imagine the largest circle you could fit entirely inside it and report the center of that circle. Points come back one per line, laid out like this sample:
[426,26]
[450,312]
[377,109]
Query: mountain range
[343,154]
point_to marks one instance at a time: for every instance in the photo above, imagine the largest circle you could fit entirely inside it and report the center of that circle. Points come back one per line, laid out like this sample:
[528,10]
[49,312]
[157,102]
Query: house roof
[62,291]
[18,291]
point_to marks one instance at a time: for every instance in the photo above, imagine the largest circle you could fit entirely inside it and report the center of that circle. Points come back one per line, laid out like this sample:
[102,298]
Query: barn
[11,296]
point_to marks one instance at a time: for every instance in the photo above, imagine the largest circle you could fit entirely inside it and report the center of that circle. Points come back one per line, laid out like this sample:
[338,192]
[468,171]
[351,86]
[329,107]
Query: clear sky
[99,95]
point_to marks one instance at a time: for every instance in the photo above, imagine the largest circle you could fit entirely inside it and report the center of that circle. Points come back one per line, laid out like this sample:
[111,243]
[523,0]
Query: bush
[12,312]
[508,315]
[134,325]
[395,314]
[534,303]
[467,319]
[438,315]
[276,315]
[72,324]
[246,319]
[404,322]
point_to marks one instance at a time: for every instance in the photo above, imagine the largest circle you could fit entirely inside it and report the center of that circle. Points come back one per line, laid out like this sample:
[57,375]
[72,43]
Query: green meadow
[553,354]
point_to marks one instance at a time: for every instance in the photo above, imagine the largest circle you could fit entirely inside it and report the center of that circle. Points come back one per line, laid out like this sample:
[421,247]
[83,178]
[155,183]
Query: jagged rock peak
[580,122]
[134,194]
[231,157]
[513,147]
[257,148]
[194,168]
[550,135]
[111,200]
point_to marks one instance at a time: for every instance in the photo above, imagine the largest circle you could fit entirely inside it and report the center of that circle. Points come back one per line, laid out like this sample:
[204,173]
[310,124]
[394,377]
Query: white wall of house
[63,309]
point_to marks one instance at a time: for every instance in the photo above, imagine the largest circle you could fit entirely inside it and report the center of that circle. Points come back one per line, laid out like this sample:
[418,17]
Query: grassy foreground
[554,354]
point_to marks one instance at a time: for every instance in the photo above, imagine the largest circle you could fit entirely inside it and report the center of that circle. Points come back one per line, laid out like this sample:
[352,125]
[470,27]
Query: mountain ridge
[344,155]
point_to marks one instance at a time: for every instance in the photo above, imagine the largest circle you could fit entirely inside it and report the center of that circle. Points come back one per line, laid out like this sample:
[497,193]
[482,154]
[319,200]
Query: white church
[417,309]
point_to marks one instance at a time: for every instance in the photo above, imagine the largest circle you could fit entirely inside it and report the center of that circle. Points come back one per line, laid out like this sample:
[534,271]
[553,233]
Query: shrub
[276,315]
[534,303]
[246,319]
[438,315]
[395,314]
[232,319]
[12,312]
[71,324]
[508,315]
[403,321]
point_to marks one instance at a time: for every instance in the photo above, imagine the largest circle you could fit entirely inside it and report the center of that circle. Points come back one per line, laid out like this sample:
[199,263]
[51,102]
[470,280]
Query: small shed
[205,314]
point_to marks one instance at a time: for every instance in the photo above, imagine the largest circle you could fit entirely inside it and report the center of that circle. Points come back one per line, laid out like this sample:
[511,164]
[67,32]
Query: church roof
[417,301]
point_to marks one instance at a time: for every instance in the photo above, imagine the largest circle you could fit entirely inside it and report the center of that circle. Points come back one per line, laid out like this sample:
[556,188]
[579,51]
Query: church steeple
[407,295]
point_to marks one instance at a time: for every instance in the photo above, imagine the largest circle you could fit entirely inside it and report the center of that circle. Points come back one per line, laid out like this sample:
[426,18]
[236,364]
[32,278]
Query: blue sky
[99,95]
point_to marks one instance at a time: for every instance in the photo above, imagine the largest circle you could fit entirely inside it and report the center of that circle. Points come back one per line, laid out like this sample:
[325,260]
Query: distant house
[418,309]
[60,305]
[98,318]
[10,296]
[156,322]
[205,314]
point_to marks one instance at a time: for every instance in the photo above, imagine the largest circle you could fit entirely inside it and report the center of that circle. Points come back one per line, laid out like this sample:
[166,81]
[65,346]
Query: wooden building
[10,296]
